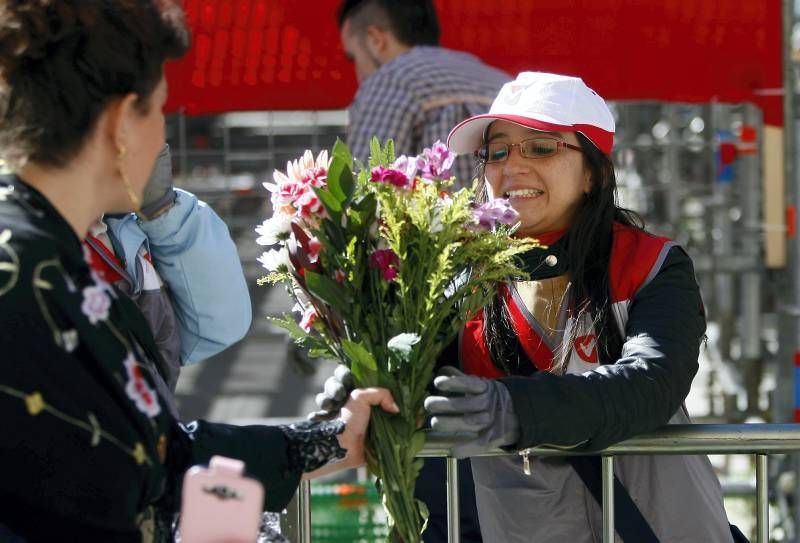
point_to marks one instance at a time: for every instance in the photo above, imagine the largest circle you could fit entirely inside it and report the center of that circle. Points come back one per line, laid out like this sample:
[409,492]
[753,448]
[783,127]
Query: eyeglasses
[532,148]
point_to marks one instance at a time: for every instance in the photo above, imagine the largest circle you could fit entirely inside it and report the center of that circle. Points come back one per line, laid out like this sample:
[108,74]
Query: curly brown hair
[63,61]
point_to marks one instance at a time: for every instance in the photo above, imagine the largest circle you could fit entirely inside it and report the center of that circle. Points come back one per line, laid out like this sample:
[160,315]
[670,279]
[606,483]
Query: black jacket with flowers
[90,447]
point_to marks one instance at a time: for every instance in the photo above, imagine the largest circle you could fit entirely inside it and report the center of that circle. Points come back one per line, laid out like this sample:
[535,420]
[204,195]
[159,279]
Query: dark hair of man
[62,62]
[588,247]
[413,22]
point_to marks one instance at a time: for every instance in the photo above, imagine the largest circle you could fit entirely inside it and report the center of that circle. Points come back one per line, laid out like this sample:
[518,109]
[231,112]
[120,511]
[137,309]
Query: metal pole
[304,505]
[608,499]
[762,500]
[790,315]
[453,516]
[750,234]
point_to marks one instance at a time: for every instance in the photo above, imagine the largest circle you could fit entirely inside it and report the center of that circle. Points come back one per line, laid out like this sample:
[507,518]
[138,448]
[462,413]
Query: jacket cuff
[521,399]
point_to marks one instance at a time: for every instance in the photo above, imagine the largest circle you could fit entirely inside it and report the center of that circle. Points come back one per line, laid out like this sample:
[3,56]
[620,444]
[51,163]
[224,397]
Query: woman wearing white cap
[601,343]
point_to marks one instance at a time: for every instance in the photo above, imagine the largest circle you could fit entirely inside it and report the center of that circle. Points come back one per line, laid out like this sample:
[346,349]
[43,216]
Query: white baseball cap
[542,101]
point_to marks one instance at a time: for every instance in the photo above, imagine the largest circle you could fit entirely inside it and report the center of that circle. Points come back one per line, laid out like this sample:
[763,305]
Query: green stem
[393,469]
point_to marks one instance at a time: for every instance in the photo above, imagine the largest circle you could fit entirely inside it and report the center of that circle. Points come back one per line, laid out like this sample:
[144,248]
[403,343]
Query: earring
[136,202]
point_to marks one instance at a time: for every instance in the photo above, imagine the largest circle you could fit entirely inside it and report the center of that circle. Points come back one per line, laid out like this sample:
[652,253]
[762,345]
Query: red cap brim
[467,136]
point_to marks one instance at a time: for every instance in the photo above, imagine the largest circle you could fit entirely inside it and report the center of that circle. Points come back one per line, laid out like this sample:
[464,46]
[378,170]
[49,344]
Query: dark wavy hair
[588,246]
[413,22]
[63,61]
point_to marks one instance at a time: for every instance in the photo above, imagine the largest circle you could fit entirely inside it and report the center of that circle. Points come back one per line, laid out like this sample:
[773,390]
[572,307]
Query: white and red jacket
[657,306]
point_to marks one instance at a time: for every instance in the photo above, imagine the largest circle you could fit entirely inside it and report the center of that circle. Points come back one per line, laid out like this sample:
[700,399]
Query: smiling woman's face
[546,192]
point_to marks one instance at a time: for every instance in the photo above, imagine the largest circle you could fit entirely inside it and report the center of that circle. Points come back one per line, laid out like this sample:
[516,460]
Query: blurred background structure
[704,94]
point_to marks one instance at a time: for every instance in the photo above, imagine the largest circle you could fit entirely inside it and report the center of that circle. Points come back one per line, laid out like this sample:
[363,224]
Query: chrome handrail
[758,439]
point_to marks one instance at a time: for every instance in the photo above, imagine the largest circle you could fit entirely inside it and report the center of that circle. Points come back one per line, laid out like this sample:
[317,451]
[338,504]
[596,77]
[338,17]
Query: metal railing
[757,439]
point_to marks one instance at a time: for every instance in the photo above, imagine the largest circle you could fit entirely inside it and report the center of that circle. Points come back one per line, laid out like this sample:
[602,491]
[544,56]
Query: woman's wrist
[312,445]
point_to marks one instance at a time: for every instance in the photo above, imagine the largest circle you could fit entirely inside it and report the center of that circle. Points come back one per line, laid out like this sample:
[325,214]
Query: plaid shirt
[418,97]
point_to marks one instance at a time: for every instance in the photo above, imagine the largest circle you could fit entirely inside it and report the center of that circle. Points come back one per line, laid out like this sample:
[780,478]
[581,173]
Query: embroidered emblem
[586,347]
[68,339]
[96,303]
[35,403]
[138,390]
[138,454]
[161,447]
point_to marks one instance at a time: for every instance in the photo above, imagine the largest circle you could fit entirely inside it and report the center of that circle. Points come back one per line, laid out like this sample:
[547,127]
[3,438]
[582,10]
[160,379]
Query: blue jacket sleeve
[196,258]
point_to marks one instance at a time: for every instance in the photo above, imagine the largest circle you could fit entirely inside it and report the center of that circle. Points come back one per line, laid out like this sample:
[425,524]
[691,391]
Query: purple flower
[495,211]
[435,162]
[385,260]
[382,174]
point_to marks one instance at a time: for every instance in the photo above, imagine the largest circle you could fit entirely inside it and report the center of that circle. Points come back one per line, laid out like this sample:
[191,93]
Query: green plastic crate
[347,513]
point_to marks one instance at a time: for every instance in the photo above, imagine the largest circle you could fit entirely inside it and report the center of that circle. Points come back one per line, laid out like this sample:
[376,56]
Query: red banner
[285,54]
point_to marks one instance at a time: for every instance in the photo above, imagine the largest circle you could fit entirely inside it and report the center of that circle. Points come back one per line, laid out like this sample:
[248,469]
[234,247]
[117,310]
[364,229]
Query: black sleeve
[638,393]
[263,449]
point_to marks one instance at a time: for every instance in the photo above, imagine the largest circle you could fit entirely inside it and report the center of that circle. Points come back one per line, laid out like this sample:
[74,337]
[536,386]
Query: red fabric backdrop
[285,54]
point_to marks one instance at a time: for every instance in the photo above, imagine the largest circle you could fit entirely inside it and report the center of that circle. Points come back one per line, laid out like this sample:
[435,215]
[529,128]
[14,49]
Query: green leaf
[341,151]
[333,235]
[362,363]
[342,156]
[332,204]
[402,345]
[362,211]
[417,442]
[288,323]
[327,290]
[375,153]
[424,513]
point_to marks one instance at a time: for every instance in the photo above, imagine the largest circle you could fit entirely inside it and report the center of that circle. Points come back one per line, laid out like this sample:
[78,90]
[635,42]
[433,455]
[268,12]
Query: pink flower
[339,276]
[316,177]
[139,390]
[96,303]
[382,174]
[309,316]
[309,205]
[314,247]
[435,161]
[385,260]
[294,188]
[495,211]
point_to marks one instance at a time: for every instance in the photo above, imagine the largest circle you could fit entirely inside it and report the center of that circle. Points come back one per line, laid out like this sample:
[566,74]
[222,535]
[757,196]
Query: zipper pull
[526,461]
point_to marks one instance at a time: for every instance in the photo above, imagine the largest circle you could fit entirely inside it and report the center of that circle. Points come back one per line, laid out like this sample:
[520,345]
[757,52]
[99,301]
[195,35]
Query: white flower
[96,303]
[274,229]
[274,259]
[298,169]
[138,389]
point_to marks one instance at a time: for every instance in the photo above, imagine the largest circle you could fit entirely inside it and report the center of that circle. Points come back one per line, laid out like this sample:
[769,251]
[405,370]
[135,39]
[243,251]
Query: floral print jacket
[90,449]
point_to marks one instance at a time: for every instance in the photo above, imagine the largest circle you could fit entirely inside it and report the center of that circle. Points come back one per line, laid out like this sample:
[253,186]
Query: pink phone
[220,504]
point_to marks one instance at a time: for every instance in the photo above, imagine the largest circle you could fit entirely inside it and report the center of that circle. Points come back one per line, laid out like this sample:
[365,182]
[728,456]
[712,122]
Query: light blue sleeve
[196,258]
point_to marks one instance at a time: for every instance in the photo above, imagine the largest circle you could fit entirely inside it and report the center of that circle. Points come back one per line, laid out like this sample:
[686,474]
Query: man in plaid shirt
[410,89]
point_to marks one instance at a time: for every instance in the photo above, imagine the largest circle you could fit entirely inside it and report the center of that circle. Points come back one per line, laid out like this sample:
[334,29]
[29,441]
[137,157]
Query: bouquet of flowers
[386,266]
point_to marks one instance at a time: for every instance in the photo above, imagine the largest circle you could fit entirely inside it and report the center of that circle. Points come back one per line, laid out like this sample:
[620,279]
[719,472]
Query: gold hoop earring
[136,202]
